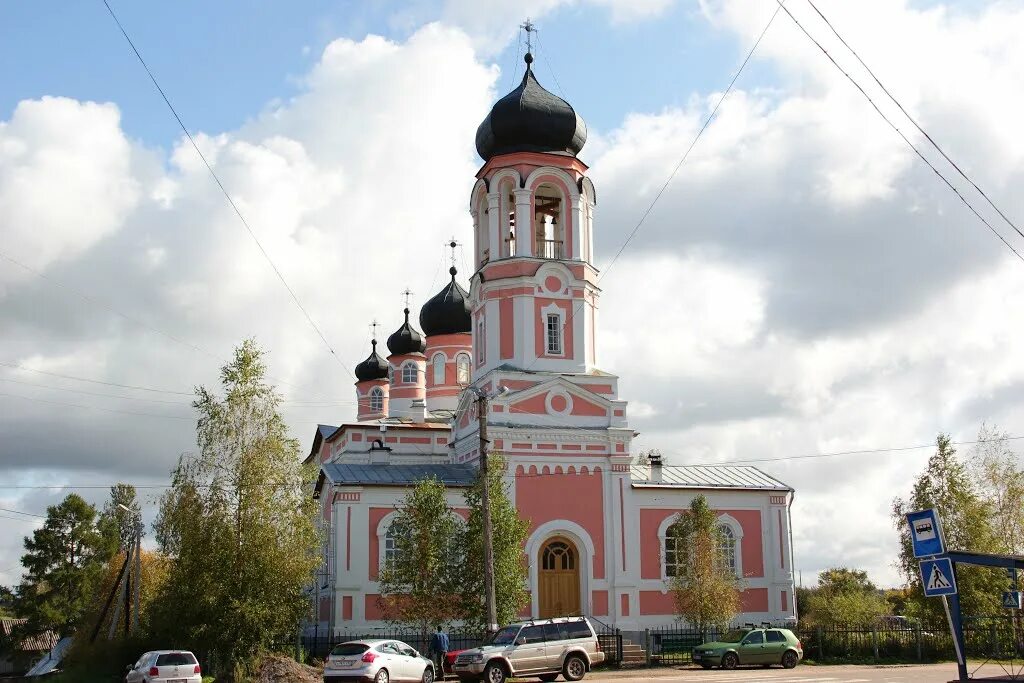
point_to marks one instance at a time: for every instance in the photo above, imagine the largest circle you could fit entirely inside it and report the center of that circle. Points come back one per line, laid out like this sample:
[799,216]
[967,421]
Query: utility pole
[485,499]
[138,573]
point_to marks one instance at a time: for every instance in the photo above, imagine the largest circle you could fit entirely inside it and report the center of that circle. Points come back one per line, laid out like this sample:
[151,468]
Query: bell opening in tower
[549,231]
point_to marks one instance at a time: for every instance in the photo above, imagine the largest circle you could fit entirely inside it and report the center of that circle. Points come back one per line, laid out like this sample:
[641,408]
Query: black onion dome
[531,119]
[406,339]
[448,311]
[374,367]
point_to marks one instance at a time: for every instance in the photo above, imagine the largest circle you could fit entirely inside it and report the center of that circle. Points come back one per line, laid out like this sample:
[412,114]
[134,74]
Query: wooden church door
[559,579]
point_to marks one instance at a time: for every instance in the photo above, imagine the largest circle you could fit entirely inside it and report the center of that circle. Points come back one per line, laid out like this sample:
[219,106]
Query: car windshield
[505,636]
[175,659]
[349,649]
[733,636]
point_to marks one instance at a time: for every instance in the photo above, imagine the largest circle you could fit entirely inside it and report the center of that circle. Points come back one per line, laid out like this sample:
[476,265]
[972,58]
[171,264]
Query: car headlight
[476,659]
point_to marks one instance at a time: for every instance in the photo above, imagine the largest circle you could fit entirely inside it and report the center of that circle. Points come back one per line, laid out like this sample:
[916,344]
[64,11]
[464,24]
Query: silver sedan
[379,661]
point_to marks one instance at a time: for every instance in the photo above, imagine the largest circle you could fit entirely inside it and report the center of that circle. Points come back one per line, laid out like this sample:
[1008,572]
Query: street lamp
[490,599]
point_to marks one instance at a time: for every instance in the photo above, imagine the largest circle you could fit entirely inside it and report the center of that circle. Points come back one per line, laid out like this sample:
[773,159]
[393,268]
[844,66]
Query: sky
[805,284]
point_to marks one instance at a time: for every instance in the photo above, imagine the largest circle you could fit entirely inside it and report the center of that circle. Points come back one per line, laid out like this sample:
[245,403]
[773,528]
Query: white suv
[163,666]
[542,648]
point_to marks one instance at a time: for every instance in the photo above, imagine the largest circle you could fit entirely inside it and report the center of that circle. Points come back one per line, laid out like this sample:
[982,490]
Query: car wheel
[547,678]
[494,673]
[381,677]
[790,659]
[730,660]
[428,675]
[574,668]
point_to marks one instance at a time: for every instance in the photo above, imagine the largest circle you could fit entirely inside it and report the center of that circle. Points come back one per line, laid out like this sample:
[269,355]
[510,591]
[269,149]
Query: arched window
[675,552]
[549,233]
[390,545]
[391,374]
[409,373]
[462,365]
[558,555]
[376,400]
[726,547]
[438,364]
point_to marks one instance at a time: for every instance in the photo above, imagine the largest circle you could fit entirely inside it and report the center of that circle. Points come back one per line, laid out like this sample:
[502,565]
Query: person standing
[438,650]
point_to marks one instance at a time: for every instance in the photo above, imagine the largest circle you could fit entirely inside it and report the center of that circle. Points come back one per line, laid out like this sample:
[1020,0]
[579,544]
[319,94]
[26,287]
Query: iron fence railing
[984,637]
[318,647]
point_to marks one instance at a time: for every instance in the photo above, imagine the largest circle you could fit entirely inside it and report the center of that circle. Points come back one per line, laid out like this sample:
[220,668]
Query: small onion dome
[374,367]
[448,311]
[406,339]
[531,119]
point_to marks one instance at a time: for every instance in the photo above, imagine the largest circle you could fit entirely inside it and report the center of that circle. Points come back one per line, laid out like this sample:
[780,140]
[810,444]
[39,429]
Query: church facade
[525,335]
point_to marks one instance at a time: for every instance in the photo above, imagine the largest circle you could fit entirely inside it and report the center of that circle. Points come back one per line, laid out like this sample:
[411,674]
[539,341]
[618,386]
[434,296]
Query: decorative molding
[777,500]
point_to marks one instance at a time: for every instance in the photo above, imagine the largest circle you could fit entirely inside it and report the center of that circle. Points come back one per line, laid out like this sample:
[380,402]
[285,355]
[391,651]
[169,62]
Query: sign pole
[956,627]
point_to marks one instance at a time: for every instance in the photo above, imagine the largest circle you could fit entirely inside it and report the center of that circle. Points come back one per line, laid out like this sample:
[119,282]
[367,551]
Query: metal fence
[318,647]
[984,637]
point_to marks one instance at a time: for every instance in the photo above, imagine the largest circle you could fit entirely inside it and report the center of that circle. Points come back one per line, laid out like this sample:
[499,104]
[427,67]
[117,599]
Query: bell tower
[534,294]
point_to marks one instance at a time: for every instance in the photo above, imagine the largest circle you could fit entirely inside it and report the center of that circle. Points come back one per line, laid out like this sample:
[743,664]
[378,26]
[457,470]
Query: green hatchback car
[764,646]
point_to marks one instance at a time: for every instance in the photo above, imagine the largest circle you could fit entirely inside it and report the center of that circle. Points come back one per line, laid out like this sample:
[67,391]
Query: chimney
[654,459]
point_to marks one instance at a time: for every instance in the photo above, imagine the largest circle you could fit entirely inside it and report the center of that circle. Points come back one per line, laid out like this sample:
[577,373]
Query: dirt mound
[279,669]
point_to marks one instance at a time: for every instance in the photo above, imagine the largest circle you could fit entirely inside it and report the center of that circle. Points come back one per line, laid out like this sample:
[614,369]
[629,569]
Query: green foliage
[999,475]
[64,561]
[238,524]
[119,522]
[7,597]
[706,590]
[508,537]
[418,586]
[845,597]
[966,518]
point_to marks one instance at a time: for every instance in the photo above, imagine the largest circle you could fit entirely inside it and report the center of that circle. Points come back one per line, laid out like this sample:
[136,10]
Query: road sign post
[1012,599]
[926,533]
[937,577]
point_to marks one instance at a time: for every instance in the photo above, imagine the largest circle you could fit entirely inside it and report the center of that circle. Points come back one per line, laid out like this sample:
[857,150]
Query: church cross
[453,244]
[529,27]
[407,294]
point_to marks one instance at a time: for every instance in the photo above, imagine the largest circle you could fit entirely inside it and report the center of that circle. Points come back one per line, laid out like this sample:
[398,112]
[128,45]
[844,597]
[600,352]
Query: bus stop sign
[925,533]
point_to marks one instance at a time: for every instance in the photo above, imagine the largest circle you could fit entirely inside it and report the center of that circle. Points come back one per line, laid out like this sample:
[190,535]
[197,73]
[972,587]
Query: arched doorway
[558,579]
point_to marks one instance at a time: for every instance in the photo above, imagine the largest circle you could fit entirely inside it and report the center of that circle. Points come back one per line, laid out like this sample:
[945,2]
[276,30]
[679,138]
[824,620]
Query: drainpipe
[792,567]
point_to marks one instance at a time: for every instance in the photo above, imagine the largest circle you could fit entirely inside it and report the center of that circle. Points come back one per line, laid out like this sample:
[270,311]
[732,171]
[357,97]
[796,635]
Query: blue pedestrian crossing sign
[1011,600]
[937,577]
[926,533]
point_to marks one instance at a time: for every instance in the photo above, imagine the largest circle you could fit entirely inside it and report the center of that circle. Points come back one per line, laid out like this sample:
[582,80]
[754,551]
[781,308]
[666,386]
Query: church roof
[707,477]
[531,119]
[374,367]
[406,339]
[397,475]
[447,312]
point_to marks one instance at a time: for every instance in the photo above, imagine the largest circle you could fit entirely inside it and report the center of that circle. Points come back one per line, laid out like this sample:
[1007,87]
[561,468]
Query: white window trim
[434,367]
[376,392]
[469,367]
[722,519]
[382,531]
[481,341]
[406,366]
[555,310]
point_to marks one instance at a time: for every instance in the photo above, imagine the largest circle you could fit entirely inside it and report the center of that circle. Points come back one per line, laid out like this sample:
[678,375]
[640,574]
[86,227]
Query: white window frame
[438,366]
[376,399]
[409,373]
[463,360]
[724,520]
[558,348]
[481,341]
[383,531]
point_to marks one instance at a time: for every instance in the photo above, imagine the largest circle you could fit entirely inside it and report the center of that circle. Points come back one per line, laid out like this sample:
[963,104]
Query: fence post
[874,641]
[917,632]
[618,646]
[821,645]
[993,640]
[647,646]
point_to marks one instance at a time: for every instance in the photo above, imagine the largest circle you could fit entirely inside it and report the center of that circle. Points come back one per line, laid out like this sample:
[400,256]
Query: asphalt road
[930,673]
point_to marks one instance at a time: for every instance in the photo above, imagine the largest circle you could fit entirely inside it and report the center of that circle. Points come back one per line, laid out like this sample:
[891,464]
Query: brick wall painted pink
[650,545]
[543,498]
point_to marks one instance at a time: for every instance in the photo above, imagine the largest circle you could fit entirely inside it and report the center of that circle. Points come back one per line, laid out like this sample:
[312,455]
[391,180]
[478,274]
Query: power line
[106,410]
[914,121]
[95,381]
[227,196]
[19,512]
[900,133]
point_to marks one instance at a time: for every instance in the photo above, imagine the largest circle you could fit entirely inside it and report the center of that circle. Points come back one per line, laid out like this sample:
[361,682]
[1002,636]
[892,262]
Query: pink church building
[526,334]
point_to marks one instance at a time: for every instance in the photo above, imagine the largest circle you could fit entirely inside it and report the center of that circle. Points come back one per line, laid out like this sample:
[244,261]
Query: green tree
[705,588]
[508,538]
[238,524]
[999,476]
[117,521]
[7,608]
[845,597]
[966,519]
[417,584]
[64,561]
